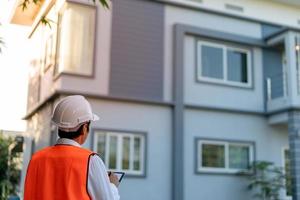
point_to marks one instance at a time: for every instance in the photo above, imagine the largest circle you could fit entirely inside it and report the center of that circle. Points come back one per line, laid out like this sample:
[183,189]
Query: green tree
[267,180]
[9,174]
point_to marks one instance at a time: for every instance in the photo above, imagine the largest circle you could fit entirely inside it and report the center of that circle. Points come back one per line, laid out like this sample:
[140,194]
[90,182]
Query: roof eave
[27,16]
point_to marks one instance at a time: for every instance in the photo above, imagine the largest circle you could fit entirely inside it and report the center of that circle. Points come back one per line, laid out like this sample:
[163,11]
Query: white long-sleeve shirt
[99,186]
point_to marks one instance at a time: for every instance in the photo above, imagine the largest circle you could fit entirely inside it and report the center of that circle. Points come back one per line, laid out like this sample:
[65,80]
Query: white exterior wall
[156,122]
[269,142]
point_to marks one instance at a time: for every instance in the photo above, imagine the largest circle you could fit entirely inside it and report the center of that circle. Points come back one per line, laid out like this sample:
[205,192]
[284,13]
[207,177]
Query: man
[66,171]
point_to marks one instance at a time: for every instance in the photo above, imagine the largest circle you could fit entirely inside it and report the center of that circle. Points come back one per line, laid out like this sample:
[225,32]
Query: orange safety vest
[59,172]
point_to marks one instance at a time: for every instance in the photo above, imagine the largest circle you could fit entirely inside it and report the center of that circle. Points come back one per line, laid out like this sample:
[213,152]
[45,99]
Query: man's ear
[84,129]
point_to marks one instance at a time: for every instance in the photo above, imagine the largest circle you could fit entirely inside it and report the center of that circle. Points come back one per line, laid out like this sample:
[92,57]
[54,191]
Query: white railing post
[269,89]
[284,84]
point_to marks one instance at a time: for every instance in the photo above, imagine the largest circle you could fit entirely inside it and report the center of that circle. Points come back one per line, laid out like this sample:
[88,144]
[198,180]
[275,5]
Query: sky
[13,71]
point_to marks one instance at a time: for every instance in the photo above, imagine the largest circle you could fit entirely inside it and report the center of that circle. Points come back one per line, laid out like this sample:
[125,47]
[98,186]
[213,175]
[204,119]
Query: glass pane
[287,167]
[213,155]
[238,157]
[212,62]
[101,145]
[113,152]
[237,66]
[76,39]
[137,153]
[126,152]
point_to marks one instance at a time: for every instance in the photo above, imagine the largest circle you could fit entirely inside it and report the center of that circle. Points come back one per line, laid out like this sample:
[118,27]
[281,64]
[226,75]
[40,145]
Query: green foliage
[9,174]
[267,180]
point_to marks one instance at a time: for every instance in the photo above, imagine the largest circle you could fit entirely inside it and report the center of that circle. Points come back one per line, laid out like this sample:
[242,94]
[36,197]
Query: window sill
[58,75]
[220,82]
[224,172]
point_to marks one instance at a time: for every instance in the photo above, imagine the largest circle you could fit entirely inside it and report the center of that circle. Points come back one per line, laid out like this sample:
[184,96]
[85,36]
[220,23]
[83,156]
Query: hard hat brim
[95,117]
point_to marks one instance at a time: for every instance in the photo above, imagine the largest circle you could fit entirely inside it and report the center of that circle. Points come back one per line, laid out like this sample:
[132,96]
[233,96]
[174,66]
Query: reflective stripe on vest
[58,173]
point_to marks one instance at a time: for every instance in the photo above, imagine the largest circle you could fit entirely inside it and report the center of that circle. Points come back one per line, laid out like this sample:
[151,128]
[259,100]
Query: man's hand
[113,179]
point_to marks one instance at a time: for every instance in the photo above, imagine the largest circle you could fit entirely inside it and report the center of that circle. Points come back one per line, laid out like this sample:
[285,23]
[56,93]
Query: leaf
[104,3]
[46,21]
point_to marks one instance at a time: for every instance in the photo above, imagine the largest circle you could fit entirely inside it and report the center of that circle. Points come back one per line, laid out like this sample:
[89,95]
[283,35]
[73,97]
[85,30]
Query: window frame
[120,134]
[56,72]
[199,167]
[225,48]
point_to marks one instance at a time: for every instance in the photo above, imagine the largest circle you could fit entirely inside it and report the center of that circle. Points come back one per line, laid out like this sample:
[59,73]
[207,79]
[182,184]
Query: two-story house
[189,92]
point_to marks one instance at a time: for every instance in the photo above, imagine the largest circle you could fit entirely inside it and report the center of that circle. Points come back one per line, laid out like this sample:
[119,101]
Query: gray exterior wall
[155,122]
[206,94]
[137,49]
[222,95]
[268,29]
[33,92]
[205,98]
[38,127]
[269,142]
[142,67]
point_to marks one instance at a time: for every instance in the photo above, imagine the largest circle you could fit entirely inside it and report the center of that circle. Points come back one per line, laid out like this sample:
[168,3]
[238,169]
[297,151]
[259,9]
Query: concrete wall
[155,121]
[269,142]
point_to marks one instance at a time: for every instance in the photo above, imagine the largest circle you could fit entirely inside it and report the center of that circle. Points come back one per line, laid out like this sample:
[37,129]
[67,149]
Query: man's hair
[73,134]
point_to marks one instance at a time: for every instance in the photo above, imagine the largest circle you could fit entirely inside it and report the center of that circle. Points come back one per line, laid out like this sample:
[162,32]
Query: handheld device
[120,175]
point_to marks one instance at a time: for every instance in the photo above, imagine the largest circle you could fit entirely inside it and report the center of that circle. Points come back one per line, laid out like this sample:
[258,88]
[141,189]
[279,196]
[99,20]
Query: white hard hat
[71,112]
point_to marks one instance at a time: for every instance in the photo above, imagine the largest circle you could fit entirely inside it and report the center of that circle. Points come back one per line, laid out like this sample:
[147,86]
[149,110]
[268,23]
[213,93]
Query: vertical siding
[137,49]
[273,69]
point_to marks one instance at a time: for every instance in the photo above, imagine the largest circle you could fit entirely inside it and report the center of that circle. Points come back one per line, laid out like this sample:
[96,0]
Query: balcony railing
[277,86]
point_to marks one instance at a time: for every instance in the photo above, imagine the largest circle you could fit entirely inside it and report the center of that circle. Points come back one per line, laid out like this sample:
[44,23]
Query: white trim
[224,80]
[226,145]
[119,150]
[107,141]
[131,152]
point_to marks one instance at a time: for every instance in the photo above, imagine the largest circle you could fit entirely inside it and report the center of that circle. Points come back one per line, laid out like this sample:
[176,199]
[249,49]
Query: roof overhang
[289,2]
[27,16]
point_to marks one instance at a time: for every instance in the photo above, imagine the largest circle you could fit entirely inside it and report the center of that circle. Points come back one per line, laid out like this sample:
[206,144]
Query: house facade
[189,92]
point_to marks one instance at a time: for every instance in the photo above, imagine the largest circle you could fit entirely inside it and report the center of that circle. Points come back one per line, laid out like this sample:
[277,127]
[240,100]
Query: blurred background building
[189,92]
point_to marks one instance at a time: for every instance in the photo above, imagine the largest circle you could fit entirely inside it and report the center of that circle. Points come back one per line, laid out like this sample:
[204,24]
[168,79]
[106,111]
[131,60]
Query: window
[287,170]
[121,151]
[76,37]
[222,156]
[220,63]
[49,38]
